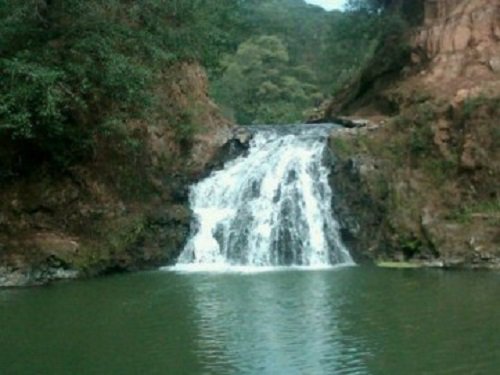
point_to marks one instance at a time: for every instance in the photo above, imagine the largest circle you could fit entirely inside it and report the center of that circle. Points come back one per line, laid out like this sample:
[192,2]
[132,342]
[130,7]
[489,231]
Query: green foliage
[416,126]
[420,140]
[410,245]
[480,111]
[302,30]
[351,43]
[340,146]
[261,86]
[73,70]
[488,209]
[359,40]
[76,71]
[35,94]
[412,11]
[471,105]
[439,169]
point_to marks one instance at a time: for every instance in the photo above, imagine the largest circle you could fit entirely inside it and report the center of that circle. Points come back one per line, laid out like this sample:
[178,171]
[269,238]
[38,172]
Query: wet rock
[33,275]
[237,145]
[242,135]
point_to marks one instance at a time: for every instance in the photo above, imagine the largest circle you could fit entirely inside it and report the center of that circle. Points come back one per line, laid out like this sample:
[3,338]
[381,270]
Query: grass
[398,265]
[466,213]
[340,146]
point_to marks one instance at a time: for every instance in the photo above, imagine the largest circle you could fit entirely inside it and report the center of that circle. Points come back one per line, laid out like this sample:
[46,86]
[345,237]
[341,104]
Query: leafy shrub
[260,85]
[71,70]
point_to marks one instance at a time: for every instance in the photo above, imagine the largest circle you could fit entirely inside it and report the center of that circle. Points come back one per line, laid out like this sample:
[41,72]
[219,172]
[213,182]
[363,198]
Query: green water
[347,321]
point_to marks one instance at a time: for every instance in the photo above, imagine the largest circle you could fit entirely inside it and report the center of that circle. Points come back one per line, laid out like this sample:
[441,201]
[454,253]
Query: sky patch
[328,4]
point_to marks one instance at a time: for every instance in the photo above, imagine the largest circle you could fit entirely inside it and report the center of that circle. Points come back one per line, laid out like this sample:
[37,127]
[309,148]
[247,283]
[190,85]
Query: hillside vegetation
[294,56]
[75,71]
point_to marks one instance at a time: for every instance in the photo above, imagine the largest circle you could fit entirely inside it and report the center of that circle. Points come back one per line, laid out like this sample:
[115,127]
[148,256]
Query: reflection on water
[276,324]
[345,321]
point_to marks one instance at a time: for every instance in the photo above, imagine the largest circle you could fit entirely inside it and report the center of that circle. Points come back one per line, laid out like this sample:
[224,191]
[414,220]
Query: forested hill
[293,55]
[73,71]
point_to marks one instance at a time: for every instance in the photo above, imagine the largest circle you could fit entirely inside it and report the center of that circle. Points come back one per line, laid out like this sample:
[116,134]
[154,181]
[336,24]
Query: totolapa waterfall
[270,207]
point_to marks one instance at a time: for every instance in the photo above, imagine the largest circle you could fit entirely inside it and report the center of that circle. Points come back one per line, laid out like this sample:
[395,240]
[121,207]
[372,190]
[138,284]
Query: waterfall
[268,208]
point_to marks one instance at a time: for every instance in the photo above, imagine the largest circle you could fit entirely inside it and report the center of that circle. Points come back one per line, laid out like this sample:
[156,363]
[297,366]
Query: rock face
[423,186]
[122,211]
[184,96]
[400,198]
[461,39]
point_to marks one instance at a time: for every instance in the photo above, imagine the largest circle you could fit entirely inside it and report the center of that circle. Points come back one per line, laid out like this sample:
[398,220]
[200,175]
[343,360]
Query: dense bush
[326,52]
[71,70]
[260,86]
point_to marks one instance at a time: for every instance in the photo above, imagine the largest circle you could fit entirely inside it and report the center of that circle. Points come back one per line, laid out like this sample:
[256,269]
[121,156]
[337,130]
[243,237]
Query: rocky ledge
[402,198]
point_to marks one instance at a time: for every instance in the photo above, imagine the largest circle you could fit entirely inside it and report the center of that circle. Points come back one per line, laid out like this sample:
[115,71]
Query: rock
[427,217]
[38,260]
[442,137]
[460,97]
[454,262]
[494,64]
[351,123]
[242,135]
[56,245]
[459,38]
[32,276]
[415,58]
[238,144]
[13,278]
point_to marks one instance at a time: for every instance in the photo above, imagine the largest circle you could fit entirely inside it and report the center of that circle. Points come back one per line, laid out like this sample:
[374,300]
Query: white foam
[227,269]
[269,208]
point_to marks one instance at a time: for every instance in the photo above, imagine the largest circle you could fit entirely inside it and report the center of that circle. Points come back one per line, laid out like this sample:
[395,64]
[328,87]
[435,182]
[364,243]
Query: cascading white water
[271,207]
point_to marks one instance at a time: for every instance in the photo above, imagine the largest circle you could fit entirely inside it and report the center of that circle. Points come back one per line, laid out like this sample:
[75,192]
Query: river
[352,320]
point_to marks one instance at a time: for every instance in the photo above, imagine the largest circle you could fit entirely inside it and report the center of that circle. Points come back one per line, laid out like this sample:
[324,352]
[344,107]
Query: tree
[259,86]
[72,70]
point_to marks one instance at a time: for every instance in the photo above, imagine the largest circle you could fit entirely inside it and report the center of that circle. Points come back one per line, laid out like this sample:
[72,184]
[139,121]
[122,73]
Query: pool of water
[345,321]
